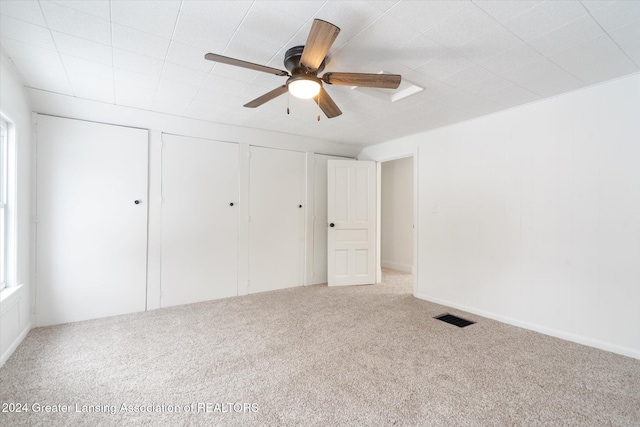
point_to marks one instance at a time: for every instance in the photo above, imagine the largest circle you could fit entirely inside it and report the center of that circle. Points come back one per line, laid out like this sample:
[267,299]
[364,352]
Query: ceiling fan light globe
[303,88]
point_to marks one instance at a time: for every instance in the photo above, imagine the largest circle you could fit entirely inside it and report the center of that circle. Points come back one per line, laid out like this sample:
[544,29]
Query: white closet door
[276,228]
[91,248]
[199,220]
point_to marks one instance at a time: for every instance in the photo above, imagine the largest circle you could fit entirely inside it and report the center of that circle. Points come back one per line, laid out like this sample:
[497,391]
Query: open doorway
[397,221]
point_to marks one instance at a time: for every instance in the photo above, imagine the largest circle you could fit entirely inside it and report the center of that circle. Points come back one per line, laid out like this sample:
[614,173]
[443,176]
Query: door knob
[332,225]
[137,202]
[300,206]
[231,204]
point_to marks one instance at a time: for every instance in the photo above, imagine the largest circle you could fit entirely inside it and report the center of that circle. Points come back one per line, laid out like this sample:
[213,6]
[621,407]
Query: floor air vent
[454,320]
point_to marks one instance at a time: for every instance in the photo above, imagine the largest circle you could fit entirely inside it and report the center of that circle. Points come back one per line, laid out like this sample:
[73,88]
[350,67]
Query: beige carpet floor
[313,356]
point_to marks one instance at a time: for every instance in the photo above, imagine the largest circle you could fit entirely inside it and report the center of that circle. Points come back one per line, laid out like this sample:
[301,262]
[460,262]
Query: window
[4,136]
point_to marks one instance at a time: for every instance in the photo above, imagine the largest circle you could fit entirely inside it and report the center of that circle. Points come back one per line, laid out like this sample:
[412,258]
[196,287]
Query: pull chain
[288,98]
[318,106]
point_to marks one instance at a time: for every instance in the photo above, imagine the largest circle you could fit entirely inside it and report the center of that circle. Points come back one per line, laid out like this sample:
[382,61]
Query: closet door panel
[277,211]
[199,220]
[91,235]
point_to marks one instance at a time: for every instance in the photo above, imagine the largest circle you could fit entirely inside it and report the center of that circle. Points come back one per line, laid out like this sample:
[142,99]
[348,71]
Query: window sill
[8,296]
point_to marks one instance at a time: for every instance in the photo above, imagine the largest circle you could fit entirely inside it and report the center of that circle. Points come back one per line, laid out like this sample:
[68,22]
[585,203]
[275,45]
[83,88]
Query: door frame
[416,179]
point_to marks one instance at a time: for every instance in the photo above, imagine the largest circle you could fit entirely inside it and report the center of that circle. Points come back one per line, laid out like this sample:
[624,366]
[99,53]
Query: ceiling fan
[304,63]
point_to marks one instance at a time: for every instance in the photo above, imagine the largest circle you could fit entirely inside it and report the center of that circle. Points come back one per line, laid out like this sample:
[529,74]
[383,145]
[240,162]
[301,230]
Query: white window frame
[4,217]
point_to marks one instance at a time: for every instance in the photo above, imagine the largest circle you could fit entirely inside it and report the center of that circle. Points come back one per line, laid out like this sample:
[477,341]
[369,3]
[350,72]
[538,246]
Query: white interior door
[351,213]
[199,220]
[276,219]
[91,250]
[320,218]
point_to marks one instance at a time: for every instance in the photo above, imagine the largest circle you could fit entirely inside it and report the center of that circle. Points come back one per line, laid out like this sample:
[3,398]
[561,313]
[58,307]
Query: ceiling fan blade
[319,41]
[327,105]
[267,97]
[386,81]
[244,64]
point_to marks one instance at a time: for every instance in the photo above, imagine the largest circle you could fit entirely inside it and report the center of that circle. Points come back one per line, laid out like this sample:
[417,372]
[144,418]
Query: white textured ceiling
[472,57]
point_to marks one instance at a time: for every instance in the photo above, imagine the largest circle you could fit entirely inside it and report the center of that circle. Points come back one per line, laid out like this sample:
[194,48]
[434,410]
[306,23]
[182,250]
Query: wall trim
[396,266]
[14,345]
[579,339]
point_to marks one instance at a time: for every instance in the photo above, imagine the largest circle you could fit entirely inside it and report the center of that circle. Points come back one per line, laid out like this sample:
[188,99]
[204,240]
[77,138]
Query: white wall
[67,106]
[15,319]
[532,216]
[397,215]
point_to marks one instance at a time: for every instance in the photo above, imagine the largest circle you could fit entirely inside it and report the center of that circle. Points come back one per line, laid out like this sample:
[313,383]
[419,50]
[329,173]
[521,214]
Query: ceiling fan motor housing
[292,61]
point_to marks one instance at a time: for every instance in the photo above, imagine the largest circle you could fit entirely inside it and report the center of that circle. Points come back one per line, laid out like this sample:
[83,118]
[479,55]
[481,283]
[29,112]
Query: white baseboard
[396,266]
[7,354]
[625,351]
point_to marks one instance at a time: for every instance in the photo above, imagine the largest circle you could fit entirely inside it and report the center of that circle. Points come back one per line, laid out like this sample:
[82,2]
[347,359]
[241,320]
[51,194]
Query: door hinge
[249,154]
[248,219]
[35,219]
